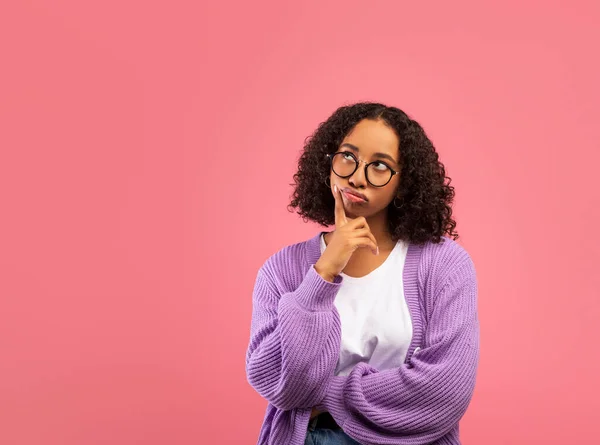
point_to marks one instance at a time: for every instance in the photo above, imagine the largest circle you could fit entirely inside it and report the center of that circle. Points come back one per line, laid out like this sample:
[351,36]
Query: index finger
[340,214]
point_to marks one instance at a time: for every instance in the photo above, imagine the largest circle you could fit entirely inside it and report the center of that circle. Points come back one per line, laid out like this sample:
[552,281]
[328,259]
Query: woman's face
[369,141]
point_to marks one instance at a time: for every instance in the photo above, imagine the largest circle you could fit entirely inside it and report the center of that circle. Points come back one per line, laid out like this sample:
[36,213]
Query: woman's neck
[379,229]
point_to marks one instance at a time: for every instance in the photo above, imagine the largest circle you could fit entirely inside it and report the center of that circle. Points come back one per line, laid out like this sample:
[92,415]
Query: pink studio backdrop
[146,155]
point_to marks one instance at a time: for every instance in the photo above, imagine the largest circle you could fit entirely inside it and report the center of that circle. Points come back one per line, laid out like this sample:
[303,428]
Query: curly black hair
[425,212]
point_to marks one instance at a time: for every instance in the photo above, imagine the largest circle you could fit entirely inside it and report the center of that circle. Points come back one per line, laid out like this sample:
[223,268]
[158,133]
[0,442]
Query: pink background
[146,156]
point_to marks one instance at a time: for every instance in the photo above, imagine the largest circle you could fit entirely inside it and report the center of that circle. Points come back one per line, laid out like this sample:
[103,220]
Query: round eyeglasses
[344,164]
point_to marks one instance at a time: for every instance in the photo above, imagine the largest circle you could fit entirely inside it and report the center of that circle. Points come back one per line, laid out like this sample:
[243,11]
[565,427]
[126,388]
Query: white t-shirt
[376,323]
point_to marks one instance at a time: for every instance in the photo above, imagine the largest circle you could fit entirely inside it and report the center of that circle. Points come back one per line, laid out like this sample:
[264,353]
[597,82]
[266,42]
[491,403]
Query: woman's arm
[420,402]
[294,340]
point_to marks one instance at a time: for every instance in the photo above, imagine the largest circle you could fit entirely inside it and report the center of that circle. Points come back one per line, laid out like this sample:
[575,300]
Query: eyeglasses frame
[358,161]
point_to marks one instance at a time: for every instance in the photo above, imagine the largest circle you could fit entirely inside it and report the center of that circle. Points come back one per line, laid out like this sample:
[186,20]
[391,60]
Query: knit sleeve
[419,402]
[294,340]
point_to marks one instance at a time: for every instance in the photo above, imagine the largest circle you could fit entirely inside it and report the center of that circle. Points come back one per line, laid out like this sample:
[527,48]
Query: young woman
[367,334]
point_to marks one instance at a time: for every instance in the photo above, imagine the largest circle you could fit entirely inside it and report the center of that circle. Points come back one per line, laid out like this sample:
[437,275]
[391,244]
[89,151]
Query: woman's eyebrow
[378,154]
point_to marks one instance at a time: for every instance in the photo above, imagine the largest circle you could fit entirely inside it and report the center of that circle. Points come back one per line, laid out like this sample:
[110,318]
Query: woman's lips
[352,198]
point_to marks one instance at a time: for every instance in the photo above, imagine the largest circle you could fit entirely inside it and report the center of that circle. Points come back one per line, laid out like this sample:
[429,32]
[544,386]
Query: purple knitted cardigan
[295,339]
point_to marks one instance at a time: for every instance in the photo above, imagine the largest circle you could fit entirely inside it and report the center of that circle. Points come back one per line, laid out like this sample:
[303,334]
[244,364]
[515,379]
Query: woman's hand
[348,236]
[315,412]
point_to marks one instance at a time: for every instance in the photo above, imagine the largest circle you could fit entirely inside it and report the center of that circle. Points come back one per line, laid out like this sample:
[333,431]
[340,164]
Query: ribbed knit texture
[295,341]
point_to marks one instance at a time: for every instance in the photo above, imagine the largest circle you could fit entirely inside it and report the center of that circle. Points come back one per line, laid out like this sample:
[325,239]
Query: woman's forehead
[371,136]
